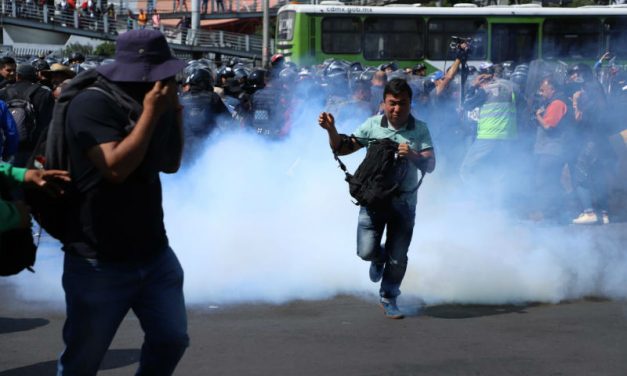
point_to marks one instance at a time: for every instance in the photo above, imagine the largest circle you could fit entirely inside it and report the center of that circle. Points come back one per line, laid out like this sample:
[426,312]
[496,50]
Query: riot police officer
[203,110]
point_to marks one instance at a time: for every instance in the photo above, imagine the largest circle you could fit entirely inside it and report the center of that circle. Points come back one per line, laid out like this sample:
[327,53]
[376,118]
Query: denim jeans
[99,294]
[398,221]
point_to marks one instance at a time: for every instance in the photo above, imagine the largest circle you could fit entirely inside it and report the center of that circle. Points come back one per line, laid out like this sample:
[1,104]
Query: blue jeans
[99,294]
[398,221]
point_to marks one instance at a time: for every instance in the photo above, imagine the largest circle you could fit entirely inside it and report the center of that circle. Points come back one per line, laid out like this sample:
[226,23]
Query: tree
[84,49]
[106,49]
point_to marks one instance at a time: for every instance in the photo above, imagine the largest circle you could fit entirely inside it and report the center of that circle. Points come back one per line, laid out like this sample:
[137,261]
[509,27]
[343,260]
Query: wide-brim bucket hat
[57,69]
[141,56]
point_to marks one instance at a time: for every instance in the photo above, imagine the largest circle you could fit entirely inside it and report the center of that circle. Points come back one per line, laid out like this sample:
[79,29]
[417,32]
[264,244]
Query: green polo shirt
[415,133]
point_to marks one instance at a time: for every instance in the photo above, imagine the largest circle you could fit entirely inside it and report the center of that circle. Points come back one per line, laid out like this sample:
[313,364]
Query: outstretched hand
[48,180]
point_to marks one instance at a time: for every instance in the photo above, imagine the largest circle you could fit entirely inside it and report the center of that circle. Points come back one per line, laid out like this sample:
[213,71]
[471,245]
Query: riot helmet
[277,61]
[76,58]
[256,79]
[519,78]
[223,74]
[579,72]
[199,79]
[40,65]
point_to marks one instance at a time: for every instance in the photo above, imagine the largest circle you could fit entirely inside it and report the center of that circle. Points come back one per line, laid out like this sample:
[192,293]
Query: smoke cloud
[254,220]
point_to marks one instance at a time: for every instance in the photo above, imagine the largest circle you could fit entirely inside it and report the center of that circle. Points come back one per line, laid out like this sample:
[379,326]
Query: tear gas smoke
[259,221]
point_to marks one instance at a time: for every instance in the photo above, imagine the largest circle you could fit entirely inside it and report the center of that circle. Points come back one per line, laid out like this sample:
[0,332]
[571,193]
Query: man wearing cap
[27,88]
[117,255]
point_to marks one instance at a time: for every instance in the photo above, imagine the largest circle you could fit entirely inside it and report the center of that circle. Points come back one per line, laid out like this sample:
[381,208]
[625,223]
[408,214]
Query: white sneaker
[586,218]
[605,218]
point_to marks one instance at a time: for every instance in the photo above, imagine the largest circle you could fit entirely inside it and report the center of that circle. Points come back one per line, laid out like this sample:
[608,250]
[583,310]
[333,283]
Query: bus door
[517,42]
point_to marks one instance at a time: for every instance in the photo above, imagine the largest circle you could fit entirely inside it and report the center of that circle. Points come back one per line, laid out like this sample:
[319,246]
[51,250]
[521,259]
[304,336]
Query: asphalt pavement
[349,335]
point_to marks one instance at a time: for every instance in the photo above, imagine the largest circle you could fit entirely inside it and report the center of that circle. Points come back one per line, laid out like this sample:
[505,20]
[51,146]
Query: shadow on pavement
[113,359]
[463,311]
[10,325]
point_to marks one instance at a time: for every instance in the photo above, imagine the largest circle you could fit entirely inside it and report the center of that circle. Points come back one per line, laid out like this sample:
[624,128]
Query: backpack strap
[422,176]
[106,93]
[30,91]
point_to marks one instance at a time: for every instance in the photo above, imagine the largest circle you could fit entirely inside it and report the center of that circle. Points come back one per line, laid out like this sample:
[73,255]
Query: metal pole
[195,21]
[265,56]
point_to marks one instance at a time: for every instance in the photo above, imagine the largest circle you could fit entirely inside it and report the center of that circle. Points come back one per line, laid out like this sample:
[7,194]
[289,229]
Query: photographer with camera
[461,48]
[442,112]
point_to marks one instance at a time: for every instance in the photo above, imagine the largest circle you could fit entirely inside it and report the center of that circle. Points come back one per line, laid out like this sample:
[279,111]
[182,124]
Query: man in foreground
[120,136]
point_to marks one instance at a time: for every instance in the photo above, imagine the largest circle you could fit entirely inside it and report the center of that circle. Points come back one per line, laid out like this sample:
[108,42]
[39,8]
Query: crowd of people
[511,140]
[531,137]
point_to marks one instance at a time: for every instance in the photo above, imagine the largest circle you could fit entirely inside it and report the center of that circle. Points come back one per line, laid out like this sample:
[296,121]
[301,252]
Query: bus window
[442,29]
[514,42]
[617,30]
[393,38]
[341,35]
[286,25]
[572,38]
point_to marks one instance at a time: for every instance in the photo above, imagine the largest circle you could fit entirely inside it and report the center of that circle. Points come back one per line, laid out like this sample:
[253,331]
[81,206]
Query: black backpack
[17,248]
[55,213]
[379,176]
[17,251]
[23,112]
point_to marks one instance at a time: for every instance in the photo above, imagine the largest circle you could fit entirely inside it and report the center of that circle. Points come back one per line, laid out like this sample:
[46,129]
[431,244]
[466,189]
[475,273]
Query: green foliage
[106,49]
[77,47]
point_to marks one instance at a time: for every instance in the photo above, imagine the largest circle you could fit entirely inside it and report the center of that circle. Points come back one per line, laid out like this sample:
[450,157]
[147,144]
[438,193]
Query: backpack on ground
[379,176]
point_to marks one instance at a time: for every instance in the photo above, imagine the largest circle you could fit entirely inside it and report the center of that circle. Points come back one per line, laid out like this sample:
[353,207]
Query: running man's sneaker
[376,271]
[605,219]
[391,309]
[586,218]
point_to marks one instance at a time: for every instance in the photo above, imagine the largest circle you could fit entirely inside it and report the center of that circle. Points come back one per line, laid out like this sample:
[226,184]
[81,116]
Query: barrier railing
[98,22]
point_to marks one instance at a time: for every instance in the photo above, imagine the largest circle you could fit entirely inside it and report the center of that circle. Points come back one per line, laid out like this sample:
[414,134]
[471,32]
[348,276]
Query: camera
[457,50]
[456,44]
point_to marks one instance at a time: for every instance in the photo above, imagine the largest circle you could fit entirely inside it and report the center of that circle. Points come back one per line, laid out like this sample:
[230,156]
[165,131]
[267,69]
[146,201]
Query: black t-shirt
[117,221]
